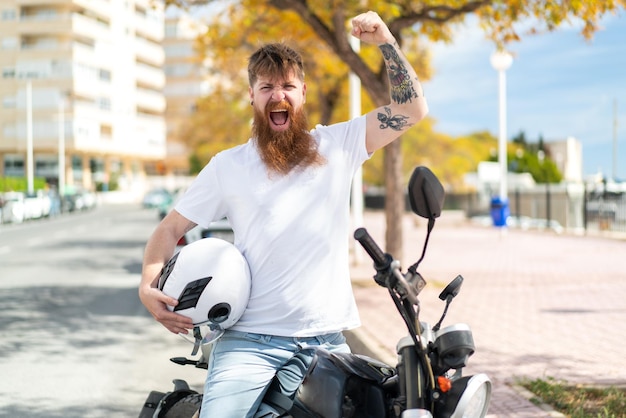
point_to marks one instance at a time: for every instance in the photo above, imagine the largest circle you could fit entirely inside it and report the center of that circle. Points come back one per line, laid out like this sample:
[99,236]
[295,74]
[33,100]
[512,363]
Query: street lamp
[501,61]
[29,138]
[61,162]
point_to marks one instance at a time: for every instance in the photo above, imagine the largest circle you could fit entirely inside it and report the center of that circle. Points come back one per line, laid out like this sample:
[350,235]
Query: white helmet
[210,278]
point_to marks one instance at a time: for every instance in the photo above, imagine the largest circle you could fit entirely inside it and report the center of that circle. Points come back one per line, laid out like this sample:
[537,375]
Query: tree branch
[435,14]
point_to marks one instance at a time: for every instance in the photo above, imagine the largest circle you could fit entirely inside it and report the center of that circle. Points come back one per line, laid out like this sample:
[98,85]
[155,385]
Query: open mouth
[279,117]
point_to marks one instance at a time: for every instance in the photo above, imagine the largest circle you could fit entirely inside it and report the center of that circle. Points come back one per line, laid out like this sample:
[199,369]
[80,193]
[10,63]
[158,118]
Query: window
[47,166]
[8,72]
[9,102]
[104,75]
[104,103]
[106,130]
[180,50]
[171,30]
[10,43]
[77,164]
[179,70]
[8,14]
[13,165]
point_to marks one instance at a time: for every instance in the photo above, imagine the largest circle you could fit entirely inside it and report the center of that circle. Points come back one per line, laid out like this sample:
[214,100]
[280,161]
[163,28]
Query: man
[286,193]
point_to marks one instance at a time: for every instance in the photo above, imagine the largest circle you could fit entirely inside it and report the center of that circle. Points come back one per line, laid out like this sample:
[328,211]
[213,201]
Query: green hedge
[15,184]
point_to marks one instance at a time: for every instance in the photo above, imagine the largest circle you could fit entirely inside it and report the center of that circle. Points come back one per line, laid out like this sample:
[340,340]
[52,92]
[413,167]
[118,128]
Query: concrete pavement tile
[540,305]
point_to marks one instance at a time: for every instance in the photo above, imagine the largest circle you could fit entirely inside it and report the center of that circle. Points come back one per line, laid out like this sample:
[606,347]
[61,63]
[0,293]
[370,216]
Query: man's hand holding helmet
[210,280]
[156,303]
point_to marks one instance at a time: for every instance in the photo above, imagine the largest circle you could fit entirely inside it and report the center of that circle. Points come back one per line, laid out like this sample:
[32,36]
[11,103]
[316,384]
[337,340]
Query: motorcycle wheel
[186,407]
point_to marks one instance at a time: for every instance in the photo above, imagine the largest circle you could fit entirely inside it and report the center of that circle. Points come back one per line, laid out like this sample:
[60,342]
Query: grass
[577,401]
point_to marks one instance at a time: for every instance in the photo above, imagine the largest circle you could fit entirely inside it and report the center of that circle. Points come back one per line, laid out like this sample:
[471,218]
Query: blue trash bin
[499,211]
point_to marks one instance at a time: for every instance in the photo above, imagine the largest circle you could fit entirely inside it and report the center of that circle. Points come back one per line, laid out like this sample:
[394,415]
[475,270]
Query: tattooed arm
[408,105]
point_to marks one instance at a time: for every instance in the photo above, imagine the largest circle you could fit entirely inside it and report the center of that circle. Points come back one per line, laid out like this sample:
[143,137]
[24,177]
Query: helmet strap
[197,340]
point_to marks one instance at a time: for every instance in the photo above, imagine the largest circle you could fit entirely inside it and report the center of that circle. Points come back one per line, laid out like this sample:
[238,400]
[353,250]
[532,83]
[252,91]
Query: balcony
[150,101]
[101,7]
[149,27]
[90,27]
[150,134]
[149,52]
[63,23]
[150,76]
[88,86]
[48,22]
[83,53]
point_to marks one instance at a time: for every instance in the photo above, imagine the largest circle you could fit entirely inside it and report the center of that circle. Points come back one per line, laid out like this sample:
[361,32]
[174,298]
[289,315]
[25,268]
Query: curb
[361,343]
[531,397]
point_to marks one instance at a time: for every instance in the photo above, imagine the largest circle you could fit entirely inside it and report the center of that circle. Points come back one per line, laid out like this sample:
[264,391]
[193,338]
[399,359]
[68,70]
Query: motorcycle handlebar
[384,262]
[370,246]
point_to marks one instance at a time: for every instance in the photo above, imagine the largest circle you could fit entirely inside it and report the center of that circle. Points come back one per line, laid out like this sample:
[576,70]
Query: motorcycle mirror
[452,289]
[426,193]
[426,199]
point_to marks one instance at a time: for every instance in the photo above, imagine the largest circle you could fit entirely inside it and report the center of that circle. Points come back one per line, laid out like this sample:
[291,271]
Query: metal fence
[563,207]
[605,212]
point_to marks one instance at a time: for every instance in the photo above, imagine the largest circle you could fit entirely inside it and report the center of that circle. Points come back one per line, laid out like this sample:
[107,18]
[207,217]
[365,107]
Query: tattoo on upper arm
[402,89]
[395,122]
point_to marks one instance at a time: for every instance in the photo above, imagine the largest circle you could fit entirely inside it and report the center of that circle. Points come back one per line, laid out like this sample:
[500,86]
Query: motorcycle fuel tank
[343,385]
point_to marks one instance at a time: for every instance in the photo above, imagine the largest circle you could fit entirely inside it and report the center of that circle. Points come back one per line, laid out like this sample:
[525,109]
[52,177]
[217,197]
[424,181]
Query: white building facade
[187,80]
[568,157]
[82,88]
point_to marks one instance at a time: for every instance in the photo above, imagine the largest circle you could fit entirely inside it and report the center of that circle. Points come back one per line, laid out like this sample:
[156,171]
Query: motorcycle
[427,381]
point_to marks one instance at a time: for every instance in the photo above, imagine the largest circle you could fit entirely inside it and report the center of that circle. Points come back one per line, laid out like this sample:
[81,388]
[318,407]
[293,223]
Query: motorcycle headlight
[453,345]
[468,398]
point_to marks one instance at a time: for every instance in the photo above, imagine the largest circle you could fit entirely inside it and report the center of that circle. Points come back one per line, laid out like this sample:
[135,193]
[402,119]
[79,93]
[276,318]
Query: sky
[559,85]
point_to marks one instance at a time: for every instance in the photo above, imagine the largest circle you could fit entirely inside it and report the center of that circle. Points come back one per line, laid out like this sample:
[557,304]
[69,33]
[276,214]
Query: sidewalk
[540,305]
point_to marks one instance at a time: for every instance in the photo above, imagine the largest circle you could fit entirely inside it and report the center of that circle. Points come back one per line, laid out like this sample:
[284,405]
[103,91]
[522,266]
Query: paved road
[540,305]
[75,341]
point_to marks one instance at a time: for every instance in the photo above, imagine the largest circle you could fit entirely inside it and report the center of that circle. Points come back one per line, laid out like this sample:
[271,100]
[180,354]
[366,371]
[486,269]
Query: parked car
[218,229]
[85,200]
[78,199]
[156,198]
[166,205]
[36,205]
[13,209]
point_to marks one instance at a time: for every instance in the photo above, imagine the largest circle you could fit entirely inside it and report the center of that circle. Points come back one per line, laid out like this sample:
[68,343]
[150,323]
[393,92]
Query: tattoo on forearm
[395,122]
[402,89]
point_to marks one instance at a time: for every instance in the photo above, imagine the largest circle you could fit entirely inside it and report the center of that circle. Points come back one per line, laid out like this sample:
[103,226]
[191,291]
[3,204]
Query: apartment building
[187,80]
[82,88]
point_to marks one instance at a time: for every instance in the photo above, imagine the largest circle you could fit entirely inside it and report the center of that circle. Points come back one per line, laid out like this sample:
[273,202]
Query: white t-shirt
[293,230]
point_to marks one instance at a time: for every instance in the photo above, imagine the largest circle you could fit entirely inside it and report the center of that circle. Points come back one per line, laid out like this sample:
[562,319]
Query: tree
[533,158]
[215,125]
[409,20]
[520,139]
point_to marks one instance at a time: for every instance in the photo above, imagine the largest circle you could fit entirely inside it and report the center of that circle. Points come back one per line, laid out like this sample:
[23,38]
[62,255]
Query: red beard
[282,151]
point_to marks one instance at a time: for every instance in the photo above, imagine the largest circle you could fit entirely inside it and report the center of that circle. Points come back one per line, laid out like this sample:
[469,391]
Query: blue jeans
[242,366]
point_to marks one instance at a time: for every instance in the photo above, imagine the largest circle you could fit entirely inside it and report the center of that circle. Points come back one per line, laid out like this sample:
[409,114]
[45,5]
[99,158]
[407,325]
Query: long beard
[285,150]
